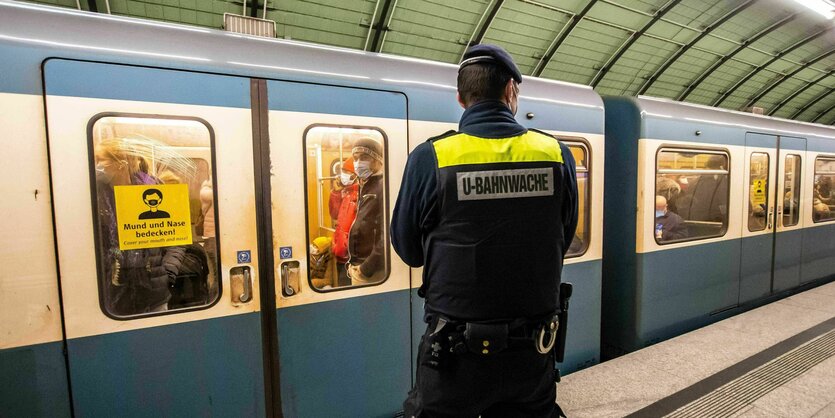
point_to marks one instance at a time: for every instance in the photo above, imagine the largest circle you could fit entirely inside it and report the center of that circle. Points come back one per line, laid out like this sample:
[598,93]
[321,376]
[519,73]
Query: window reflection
[345,173]
[581,238]
[823,202]
[691,195]
[791,191]
[758,192]
[165,258]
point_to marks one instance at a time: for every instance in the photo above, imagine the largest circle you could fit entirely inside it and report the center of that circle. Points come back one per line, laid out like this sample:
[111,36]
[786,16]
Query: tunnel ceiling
[774,54]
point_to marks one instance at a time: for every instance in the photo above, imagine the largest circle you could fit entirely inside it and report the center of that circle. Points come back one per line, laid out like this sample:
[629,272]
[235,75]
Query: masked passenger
[346,212]
[134,281]
[365,240]
[668,225]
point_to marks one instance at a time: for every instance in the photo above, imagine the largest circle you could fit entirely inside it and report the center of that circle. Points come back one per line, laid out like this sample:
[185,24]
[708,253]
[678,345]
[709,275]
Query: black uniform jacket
[485,259]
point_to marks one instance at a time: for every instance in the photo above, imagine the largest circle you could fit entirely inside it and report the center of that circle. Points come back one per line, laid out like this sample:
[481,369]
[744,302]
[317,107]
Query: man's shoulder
[446,134]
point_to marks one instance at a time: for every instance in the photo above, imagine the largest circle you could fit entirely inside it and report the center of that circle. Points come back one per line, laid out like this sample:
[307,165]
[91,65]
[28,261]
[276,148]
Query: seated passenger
[708,197]
[670,189]
[821,211]
[668,225]
[321,273]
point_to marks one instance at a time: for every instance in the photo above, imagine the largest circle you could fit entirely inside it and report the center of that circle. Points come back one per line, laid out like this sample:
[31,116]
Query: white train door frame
[194,354]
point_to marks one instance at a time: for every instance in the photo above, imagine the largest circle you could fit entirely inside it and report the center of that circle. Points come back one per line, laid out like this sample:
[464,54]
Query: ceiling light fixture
[824,7]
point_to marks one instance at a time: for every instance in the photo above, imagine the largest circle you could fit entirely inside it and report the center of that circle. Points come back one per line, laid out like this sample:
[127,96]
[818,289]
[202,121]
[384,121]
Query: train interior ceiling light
[824,7]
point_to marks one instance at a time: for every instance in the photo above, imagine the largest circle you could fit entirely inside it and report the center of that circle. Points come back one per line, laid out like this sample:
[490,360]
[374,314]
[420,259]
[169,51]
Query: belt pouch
[486,339]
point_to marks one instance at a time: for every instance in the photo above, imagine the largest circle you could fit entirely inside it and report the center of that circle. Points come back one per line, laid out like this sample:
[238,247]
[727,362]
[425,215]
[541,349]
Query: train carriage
[755,211]
[246,132]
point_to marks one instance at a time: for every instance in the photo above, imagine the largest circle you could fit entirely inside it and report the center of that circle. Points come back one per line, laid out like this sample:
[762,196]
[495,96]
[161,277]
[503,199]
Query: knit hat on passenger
[369,146]
[348,165]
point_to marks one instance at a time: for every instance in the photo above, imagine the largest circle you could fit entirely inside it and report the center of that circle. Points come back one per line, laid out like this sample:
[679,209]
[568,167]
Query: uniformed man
[489,211]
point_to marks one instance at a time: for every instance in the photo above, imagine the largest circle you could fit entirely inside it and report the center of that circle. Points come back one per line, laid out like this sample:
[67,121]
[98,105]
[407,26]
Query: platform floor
[774,361]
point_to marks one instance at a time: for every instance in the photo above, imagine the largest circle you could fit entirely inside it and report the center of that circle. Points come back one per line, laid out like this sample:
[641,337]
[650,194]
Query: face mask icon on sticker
[153,199]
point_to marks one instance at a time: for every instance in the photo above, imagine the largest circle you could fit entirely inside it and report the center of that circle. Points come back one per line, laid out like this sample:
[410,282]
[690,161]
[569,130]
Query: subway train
[171,248]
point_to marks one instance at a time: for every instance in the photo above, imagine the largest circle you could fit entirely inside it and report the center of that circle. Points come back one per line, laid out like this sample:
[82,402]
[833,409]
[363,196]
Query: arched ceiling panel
[331,22]
[774,54]
[431,29]
[526,31]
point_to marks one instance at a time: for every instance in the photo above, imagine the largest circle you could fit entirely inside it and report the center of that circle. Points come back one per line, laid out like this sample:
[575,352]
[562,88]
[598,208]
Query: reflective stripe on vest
[461,149]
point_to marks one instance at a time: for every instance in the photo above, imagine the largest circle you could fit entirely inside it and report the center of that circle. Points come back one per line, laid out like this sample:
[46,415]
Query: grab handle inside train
[565,294]
[289,273]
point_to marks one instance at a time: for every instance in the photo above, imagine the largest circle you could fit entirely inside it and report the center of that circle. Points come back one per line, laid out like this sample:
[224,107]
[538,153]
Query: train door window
[691,195]
[581,238]
[154,214]
[823,202]
[791,191]
[345,174]
[758,192]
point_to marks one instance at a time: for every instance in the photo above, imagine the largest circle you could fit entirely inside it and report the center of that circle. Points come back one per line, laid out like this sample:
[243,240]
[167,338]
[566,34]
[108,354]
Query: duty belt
[449,337]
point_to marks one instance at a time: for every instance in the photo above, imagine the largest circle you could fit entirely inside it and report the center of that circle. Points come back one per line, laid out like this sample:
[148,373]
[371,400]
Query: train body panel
[745,193]
[345,350]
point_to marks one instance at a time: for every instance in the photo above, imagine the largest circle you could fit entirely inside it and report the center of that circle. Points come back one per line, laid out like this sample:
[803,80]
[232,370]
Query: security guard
[489,211]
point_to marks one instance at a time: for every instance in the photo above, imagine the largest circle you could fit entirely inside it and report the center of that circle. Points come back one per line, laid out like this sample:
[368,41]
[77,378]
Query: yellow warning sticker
[758,192]
[152,216]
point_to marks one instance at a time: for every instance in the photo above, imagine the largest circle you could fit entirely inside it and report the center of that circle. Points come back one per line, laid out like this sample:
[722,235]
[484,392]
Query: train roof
[83,35]
[670,109]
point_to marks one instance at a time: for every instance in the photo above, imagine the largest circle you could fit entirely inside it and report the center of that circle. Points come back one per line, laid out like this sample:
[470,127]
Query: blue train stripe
[120,82]
[301,97]
[348,355]
[34,382]
[211,367]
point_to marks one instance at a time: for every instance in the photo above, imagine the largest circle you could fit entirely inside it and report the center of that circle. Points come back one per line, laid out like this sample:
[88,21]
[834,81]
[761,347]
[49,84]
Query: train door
[154,202]
[342,293]
[788,236]
[758,219]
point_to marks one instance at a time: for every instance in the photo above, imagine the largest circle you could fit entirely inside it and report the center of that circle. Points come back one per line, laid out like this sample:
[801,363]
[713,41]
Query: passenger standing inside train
[489,212]
[365,240]
[137,281]
[344,211]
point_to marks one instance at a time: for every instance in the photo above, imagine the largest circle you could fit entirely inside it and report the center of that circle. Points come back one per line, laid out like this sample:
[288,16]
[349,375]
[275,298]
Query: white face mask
[363,169]
[660,213]
[346,178]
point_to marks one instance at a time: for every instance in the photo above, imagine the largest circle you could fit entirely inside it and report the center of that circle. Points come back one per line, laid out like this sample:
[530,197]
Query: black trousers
[517,382]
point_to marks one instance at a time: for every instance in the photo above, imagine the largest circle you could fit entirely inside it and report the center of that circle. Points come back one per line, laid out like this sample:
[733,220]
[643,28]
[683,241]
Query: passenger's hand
[355,273]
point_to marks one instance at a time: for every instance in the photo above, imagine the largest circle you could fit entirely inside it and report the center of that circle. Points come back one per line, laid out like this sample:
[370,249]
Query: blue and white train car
[242,135]
[755,208]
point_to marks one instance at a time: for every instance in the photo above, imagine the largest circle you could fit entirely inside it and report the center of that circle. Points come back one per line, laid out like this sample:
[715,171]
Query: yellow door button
[485,343]
[485,351]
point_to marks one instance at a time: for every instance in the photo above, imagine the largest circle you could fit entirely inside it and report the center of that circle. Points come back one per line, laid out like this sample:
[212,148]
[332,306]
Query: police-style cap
[486,53]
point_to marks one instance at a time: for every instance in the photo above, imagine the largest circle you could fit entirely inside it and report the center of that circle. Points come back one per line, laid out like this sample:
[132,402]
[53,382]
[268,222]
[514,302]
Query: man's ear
[461,101]
[508,90]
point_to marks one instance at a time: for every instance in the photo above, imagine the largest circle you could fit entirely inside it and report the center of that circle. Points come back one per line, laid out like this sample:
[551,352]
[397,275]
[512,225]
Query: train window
[345,174]
[154,214]
[791,191]
[758,192]
[581,238]
[823,203]
[691,195]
